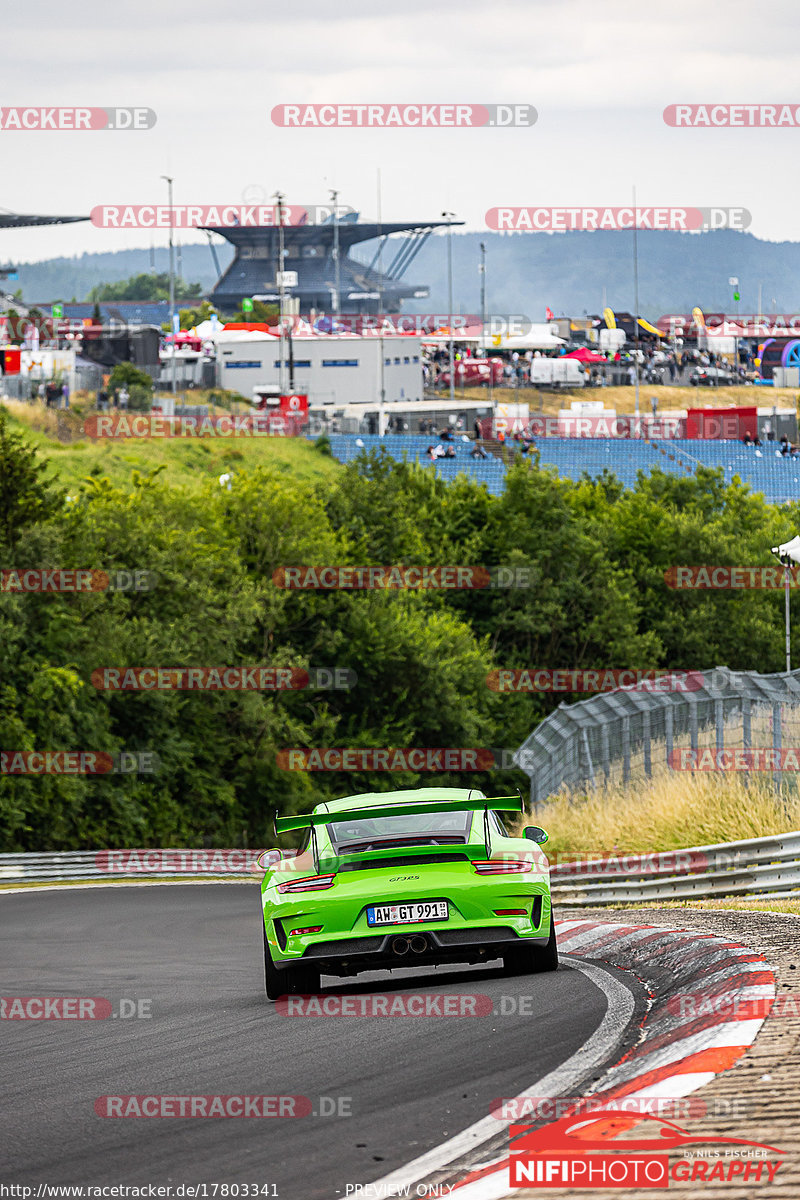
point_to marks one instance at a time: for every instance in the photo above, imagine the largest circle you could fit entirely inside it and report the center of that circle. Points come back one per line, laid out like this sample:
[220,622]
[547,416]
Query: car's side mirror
[269,859]
[534,833]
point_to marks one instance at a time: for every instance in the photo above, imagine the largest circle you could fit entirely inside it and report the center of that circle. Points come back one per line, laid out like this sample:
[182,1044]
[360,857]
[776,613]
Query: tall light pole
[482,269]
[482,273]
[168,178]
[381,348]
[337,269]
[448,216]
[281,365]
[788,553]
[636,306]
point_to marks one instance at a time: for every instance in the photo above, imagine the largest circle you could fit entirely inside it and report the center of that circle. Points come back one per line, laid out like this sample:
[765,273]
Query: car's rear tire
[533,960]
[291,981]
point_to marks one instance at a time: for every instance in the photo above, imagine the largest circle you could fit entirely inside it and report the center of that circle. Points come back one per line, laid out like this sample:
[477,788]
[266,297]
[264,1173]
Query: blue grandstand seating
[764,470]
[490,471]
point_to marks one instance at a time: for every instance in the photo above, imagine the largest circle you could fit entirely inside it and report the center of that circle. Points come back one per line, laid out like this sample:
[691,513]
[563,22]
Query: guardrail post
[777,717]
[668,733]
[589,764]
[626,749]
[719,721]
[605,750]
[693,727]
[648,766]
[747,730]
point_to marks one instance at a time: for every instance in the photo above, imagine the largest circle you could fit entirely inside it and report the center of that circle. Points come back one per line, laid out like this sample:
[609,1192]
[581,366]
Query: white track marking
[597,1049]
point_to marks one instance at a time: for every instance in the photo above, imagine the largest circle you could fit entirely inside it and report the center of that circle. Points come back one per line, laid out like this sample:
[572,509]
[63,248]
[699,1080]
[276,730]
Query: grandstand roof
[9,220]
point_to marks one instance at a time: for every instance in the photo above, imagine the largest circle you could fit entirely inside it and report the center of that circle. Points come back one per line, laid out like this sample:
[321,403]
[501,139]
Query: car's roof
[406,796]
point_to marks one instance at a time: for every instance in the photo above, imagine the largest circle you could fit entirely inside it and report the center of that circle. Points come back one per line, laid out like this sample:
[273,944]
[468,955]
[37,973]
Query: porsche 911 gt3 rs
[405,879]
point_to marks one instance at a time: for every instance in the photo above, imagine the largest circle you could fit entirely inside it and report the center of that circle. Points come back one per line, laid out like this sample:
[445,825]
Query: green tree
[145,287]
[138,383]
[190,317]
[262,314]
[27,496]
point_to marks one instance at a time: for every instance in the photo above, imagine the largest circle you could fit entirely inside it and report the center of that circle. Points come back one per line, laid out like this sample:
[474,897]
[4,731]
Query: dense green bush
[596,558]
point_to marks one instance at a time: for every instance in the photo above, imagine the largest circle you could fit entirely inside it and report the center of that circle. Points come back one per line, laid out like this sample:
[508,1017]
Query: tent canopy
[583,354]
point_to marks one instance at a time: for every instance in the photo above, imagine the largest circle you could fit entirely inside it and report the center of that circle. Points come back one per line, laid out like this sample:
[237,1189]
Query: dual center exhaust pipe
[416,944]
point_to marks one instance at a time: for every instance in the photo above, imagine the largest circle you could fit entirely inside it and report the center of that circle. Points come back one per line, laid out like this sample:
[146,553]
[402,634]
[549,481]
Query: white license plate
[406,914]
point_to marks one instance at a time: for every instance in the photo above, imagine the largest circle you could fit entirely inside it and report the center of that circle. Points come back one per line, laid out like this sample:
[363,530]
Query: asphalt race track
[195,952]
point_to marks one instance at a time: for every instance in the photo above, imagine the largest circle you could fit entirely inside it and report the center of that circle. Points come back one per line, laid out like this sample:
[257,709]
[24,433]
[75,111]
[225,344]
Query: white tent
[538,337]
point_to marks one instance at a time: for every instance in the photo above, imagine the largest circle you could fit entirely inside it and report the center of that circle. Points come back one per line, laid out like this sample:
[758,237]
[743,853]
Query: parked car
[712,377]
[557,372]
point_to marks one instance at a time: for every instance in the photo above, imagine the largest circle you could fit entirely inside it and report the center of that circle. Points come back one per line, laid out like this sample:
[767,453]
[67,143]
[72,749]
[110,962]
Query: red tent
[583,354]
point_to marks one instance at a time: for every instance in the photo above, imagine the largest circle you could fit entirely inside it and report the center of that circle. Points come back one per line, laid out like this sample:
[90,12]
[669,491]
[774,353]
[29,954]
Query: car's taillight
[307,929]
[311,883]
[506,912]
[503,866]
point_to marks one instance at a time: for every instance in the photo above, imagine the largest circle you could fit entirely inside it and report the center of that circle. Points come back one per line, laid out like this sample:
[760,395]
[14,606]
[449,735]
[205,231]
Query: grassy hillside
[186,463]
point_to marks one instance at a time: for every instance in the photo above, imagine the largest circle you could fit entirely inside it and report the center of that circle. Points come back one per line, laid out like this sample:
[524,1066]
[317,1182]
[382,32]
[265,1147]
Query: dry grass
[792,907]
[623,399]
[670,813]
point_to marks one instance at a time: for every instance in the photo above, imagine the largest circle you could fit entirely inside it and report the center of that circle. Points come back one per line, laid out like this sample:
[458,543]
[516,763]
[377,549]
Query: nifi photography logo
[585,1151]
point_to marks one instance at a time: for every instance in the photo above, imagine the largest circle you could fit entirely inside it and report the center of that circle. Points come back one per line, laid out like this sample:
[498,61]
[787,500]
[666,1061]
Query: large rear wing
[478,804]
[484,804]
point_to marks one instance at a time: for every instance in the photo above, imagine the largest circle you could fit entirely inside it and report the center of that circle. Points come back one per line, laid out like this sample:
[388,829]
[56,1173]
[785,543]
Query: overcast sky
[599,74]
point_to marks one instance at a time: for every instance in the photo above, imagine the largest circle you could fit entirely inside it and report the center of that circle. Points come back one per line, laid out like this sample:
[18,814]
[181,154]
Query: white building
[332,369]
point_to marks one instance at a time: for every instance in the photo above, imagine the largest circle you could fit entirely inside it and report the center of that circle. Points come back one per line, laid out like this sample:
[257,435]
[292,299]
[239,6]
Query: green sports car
[405,879]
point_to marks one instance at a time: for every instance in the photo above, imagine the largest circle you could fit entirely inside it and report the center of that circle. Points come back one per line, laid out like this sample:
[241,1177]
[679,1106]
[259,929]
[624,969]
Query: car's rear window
[447,827]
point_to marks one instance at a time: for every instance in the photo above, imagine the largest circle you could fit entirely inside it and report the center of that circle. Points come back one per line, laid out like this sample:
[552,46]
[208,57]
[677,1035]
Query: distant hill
[568,272]
[524,272]
[65,278]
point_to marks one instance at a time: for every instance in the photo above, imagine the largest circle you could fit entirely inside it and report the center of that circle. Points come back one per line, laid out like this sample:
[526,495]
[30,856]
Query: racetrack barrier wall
[766,866]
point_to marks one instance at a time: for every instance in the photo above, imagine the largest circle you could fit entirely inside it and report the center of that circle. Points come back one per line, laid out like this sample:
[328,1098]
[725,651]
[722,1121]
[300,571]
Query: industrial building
[331,369]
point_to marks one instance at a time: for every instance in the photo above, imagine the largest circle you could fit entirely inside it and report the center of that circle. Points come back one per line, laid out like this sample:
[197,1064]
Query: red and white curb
[676,1053]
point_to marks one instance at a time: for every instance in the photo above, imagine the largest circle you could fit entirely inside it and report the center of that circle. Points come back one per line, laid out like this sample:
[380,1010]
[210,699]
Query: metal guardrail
[766,866]
[66,866]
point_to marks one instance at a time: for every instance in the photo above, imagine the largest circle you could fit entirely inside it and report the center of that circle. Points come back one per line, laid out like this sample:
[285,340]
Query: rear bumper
[349,956]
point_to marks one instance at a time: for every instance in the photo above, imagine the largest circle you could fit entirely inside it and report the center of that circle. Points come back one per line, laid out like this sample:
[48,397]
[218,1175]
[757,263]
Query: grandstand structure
[490,471]
[764,469]
[363,287]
